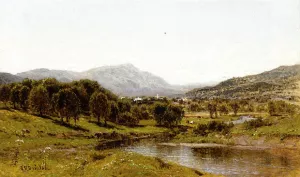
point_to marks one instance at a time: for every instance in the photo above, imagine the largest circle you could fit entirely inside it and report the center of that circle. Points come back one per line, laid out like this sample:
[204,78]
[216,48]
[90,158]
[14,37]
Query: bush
[213,126]
[256,123]
[128,119]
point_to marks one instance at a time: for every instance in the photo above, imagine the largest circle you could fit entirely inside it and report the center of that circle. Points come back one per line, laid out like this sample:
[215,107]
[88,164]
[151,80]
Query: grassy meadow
[68,151]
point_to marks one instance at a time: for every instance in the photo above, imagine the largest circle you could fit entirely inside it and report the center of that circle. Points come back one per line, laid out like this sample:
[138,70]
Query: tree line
[221,107]
[49,97]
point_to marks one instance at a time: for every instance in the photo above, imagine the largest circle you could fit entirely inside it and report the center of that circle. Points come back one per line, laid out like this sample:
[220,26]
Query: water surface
[227,161]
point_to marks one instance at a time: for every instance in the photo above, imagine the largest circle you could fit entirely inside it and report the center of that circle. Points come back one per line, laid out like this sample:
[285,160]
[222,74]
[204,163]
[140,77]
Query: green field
[72,154]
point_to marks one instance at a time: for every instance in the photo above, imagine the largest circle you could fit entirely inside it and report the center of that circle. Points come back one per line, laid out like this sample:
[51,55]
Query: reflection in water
[220,160]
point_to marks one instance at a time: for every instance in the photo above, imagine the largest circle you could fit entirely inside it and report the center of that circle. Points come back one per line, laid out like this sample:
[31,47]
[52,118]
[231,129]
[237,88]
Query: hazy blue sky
[205,39]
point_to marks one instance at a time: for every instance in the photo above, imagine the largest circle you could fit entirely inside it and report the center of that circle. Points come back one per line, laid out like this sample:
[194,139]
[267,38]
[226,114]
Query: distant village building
[182,99]
[138,99]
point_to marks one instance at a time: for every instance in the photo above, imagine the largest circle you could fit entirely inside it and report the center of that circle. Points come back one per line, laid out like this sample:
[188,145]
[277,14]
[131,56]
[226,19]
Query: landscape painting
[140,88]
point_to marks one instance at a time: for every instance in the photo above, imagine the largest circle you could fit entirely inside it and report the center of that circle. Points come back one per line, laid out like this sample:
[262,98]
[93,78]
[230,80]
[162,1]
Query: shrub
[256,123]
[213,126]
[128,119]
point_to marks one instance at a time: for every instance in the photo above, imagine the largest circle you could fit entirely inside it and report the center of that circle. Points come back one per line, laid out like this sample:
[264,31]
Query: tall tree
[210,108]
[173,115]
[4,94]
[223,109]
[137,112]
[23,96]
[124,106]
[159,112]
[235,107]
[14,95]
[39,100]
[99,106]
[67,104]
[114,112]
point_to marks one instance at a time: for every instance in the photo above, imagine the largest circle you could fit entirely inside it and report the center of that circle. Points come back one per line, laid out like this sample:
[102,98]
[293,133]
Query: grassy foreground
[65,150]
[94,163]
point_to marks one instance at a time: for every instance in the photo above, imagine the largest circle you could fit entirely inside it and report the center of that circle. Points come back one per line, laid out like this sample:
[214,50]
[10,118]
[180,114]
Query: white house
[137,99]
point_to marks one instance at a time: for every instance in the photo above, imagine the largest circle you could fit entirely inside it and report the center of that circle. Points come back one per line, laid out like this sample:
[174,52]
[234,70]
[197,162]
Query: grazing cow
[190,122]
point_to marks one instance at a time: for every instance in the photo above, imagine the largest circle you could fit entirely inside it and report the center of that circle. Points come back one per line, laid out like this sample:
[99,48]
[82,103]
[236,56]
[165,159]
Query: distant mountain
[123,79]
[6,78]
[61,75]
[128,80]
[280,83]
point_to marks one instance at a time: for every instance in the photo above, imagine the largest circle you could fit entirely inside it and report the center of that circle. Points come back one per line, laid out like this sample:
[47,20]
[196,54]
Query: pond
[226,160]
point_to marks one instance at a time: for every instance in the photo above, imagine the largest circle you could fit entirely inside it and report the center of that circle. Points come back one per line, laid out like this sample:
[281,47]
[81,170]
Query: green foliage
[67,104]
[158,112]
[173,115]
[137,112]
[39,100]
[4,94]
[256,123]
[128,119]
[212,109]
[223,109]
[168,115]
[212,126]
[235,107]
[124,105]
[99,106]
[14,95]
[23,96]
[114,111]
[281,108]
[194,107]
[145,112]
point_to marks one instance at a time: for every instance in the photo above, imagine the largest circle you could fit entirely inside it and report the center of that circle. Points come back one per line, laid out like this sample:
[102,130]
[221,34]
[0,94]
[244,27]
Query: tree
[124,106]
[128,119]
[67,104]
[39,100]
[23,96]
[194,107]
[212,109]
[4,94]
[223,109]
[158,112]
[145,112]
[272,108]
[137,112]
[83,97]
[28,83]
[173,115]
[14,96]
[235,107]
[99,106]
[114,112]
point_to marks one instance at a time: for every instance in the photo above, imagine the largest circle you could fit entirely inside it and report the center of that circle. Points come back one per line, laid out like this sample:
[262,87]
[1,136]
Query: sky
[182,41]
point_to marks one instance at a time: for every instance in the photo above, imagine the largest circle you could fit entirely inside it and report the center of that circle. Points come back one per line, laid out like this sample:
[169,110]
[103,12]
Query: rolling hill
[123,79]
[280,83]
[6,78]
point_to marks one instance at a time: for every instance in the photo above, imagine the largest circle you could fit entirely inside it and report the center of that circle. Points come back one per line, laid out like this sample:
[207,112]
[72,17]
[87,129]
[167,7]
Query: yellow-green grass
[91,163]
[50,132]
[204,118]
[72,154]
[280,126]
